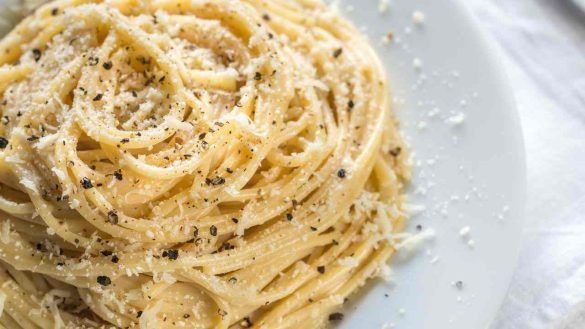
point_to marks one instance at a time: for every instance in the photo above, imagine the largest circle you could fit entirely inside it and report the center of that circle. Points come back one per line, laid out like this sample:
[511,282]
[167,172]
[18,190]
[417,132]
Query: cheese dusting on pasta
[192,164]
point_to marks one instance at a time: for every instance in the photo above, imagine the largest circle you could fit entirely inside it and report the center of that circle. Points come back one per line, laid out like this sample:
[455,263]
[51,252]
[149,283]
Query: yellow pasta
[192,164]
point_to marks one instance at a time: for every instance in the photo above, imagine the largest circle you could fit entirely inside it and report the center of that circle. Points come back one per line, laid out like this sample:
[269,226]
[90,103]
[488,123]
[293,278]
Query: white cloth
[543,42]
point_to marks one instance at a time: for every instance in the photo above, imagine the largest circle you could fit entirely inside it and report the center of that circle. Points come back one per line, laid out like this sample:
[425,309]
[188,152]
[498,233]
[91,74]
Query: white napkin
[543,42]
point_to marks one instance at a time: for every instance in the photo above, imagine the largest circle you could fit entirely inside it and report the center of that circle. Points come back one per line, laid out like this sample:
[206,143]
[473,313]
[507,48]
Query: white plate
[580,4]
[480,162]
[472,174]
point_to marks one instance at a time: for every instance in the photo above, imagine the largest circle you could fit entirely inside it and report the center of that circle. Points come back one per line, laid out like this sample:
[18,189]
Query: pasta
[196,164]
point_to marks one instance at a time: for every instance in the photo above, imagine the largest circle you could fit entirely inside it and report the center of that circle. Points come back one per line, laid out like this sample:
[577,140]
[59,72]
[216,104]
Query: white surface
[469,172]
[544,46]
[543,43]
[580,3]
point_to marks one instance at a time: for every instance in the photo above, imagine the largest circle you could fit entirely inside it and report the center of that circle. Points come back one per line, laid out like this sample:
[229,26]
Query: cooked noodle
[195,164]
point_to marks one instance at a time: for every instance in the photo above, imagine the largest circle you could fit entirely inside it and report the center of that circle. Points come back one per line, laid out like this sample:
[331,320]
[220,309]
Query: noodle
[196,164]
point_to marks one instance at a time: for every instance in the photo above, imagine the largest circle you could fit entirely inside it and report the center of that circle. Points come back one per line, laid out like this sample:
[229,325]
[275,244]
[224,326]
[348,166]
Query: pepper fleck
[104,280]
[215,181]
[139,314]
[337,52]
[350,104]
[235,220]
[36,54]
[86,183]
[321,269]
[289,217]
[98,97]
[341,173]
[107,65]
[396,151]
[113,217]
[172,254]
[54,11]
[213,230]
[246,323]
[118,174]
[335,316]
[115,259]
[3,143]
[258,76]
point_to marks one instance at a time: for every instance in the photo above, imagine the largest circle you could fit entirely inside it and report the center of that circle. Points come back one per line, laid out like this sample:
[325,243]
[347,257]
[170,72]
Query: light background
[543,42]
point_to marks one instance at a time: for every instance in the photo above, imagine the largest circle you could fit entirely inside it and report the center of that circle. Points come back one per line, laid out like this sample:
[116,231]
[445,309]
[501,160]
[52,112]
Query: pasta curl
[192,164]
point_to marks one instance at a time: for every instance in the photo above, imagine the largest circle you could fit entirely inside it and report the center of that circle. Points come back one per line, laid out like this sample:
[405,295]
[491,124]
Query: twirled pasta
[196,164]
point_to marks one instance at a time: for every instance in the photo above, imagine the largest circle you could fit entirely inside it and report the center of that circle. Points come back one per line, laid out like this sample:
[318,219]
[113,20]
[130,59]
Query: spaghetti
[196,164]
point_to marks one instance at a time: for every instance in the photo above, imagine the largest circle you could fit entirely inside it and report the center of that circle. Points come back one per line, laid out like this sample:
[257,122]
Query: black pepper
[341,173]
[337,52]
[258,76]
[396,151]
[213,230]
[104,280]
[336,316]
[321,269]
[36,54]
[289,217]
[235,220]
[113,217]
[115,259]
[86,183]
[54,11]
[98,97]
[3,143]
[118,174]
[246,323]
[171,254]
[107,65]
[215,181]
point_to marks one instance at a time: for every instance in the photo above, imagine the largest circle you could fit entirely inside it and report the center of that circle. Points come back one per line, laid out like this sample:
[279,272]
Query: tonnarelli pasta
[192,164]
